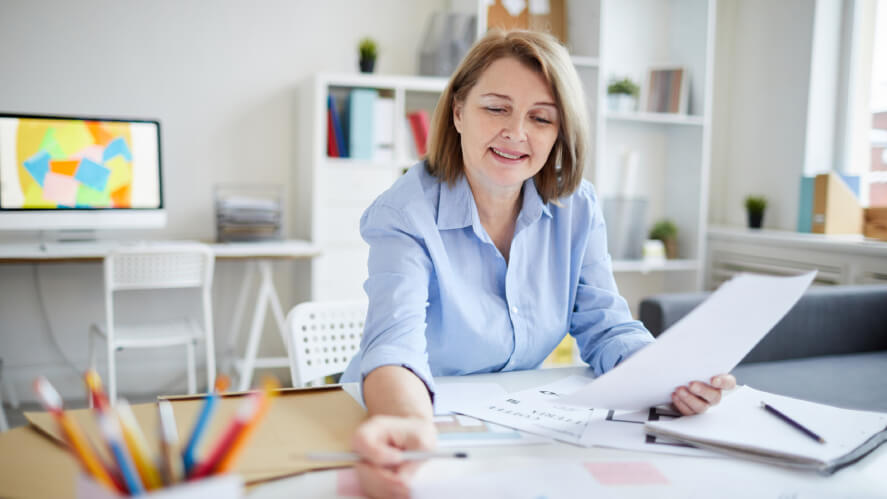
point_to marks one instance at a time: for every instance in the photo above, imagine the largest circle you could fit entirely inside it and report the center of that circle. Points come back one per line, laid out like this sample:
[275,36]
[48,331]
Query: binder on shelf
[342,146]
[361,104]
[383,130]
[332,145]
[876,223]
[741,427]
[805,210]
[836,210]
[419,125]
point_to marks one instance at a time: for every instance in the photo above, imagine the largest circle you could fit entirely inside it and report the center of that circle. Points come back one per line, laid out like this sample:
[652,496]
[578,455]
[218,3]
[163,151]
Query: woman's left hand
[698,397]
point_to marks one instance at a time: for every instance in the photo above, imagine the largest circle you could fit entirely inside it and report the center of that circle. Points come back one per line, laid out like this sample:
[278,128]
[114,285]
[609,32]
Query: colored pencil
[189,454]
[75,438]
[270,385]
[138,446]
[173,468]
[245,414]
[110,429]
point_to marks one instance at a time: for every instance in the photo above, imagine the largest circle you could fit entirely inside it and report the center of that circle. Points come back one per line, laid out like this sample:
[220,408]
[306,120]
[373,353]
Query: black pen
[799,426]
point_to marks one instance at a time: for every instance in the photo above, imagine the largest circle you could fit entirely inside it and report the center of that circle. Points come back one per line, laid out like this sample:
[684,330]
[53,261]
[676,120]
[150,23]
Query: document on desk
[710,340]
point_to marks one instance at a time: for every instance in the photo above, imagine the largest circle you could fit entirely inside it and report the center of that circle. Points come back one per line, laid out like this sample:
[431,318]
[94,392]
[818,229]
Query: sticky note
[347,484]
[93,152]
[117,146]
[99,135]
[92,174]
[51,145]
[91,198]
[121,172]
[122,197]
[625,473]
[63,166]
[60,189]
[38,165]
[73,137]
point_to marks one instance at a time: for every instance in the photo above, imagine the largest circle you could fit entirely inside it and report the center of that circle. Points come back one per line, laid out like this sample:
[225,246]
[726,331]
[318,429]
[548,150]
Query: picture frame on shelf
[666,90]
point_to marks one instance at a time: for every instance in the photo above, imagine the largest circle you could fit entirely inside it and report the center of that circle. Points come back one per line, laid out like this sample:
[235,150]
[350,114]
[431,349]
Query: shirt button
[513,310]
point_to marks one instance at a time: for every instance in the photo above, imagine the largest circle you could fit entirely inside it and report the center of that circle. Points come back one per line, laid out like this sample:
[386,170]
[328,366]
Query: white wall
[762,80]
[221,77]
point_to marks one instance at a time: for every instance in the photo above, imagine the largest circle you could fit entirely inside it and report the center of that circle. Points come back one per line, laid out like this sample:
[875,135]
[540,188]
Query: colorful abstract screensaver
[74,164]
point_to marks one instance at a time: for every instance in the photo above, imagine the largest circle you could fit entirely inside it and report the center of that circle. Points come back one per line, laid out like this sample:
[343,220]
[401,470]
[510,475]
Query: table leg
[237,319]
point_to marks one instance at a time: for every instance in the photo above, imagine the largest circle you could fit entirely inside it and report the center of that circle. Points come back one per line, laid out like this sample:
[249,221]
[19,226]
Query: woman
[485,255]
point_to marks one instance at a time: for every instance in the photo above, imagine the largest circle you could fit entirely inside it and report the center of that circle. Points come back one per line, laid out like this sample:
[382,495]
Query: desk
[257,255]
[707,477]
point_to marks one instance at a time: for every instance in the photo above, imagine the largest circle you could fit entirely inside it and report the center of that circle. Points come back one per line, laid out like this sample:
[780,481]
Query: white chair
[323,337]
[157,267]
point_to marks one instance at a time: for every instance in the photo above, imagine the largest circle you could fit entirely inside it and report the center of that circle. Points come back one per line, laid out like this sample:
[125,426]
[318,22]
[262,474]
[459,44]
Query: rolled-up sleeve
[399,273]
[601,321]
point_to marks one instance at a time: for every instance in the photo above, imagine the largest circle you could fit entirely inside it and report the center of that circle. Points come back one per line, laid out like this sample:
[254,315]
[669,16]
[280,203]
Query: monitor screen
[79,172]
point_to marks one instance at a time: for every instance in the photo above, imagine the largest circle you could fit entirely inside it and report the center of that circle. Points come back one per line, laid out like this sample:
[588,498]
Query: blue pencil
[111,430]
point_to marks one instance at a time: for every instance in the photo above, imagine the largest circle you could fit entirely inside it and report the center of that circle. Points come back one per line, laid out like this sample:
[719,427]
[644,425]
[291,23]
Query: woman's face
[508,124]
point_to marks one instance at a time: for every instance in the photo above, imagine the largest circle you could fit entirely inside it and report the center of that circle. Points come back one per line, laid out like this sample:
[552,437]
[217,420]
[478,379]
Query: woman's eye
[540,119]
[493,109]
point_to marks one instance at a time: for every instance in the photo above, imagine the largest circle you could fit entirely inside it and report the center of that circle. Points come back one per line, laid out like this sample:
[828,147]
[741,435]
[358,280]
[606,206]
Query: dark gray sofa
[830,348]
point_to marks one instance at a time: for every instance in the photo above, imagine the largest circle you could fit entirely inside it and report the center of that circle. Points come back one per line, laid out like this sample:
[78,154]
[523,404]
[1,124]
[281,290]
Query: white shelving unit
[607,39]
[332,193]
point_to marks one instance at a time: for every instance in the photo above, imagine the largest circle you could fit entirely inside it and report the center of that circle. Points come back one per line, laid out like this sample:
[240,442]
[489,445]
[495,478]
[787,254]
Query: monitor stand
[68,236]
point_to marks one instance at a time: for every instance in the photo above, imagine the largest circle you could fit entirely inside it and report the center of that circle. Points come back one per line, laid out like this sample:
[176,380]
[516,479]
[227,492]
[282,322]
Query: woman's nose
[514,129]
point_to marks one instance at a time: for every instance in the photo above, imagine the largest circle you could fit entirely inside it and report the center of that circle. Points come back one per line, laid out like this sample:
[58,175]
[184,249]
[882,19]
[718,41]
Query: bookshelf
[332,193]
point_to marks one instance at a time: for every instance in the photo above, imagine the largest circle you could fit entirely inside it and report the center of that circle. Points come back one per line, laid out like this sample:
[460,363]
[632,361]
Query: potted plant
[755,206]
[368,52]
[622,95]
[666,231]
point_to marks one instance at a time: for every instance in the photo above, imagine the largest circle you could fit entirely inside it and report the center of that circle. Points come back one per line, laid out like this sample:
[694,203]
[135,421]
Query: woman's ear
[457,115]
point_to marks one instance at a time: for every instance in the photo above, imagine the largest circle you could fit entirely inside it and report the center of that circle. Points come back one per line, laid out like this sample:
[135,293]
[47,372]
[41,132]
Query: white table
[688,476]
[257,255]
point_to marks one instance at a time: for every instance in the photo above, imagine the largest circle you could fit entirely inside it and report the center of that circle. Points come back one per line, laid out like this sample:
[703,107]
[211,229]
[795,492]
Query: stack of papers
[739,426]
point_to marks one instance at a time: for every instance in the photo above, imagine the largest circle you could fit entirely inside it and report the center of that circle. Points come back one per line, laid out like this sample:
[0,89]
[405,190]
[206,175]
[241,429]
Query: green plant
[664,230]
[755,204]
[367,48]
[623,86]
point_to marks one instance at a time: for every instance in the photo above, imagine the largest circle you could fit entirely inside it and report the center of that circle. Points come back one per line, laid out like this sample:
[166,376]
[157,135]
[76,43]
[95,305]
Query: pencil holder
[228,486]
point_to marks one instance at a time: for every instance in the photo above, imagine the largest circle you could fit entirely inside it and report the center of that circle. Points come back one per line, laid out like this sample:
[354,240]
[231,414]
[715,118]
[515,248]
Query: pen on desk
[75,438]
[772,410]
[405,456]
[173,469]
[189,454]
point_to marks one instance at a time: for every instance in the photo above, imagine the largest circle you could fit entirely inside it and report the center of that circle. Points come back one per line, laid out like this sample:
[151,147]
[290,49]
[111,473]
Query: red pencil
[244,415]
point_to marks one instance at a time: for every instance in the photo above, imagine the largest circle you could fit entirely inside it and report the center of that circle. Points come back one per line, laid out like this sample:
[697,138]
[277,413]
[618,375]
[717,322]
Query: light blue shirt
[443,301]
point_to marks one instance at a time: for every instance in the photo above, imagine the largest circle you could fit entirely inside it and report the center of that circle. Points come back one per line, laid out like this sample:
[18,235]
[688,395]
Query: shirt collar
[456,208]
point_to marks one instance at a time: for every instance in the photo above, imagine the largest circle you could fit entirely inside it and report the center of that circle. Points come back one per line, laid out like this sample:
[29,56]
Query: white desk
[687,476]
[257,255]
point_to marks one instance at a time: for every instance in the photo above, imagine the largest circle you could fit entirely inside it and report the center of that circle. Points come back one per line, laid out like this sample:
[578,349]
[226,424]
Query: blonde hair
[562,172]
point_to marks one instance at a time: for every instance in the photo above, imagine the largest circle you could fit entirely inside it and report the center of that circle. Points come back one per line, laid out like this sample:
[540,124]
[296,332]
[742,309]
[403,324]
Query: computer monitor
[82,173]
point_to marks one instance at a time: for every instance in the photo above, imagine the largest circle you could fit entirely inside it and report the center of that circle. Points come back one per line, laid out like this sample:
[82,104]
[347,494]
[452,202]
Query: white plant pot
[622,103]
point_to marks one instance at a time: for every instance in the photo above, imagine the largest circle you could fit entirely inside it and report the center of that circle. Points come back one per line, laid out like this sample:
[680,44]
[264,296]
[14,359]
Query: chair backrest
[160,266]
[323,337]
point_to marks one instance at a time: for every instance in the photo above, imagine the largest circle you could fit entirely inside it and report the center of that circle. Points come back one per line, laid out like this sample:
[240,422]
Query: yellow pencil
[52,401]
[269,387]
[138,446]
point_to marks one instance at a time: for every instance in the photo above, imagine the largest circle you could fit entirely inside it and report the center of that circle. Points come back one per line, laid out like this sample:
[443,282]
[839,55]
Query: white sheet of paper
[537,410]
[449,396]
[710,340]
[625,430]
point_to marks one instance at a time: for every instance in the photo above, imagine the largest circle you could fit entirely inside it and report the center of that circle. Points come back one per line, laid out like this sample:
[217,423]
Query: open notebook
[739,426]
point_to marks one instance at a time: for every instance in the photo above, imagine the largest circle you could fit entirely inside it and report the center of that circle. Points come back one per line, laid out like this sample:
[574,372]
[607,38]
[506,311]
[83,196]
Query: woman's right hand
[380,441]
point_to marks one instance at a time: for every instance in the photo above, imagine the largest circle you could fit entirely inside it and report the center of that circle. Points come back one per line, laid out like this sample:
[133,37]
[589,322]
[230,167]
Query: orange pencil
[52,401]
[269,387]
[245,414]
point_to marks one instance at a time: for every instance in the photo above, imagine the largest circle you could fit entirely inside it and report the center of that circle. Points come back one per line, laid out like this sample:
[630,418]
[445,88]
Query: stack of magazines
[248,217]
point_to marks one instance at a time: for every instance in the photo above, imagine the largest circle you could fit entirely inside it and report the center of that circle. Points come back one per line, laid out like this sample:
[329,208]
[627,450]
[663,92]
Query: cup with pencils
[117,460]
